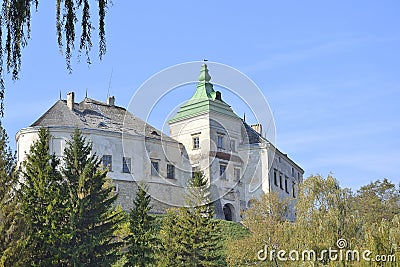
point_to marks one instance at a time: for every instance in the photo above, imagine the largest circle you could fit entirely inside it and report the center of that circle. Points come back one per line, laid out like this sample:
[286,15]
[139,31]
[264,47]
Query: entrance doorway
[228,212]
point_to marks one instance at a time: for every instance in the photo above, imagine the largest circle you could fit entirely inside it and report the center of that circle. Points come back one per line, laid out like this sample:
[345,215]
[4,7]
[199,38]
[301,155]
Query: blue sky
[328,69]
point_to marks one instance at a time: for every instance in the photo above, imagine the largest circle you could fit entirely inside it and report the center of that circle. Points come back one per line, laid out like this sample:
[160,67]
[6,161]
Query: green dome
[204,100]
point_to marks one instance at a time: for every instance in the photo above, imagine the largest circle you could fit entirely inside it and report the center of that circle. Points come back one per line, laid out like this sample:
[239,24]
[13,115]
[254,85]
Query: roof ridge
[93,114]
[97,102]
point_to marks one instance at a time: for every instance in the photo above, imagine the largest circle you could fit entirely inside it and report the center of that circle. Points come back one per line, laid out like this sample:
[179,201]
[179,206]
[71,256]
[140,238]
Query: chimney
[111,101]
[218,96]
[70,100]
[257,127]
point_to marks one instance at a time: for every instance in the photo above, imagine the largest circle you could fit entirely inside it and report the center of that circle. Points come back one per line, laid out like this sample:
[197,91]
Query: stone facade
[205,134]
[239,163]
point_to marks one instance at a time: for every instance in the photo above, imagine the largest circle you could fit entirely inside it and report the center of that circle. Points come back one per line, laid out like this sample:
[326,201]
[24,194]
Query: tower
[211,133]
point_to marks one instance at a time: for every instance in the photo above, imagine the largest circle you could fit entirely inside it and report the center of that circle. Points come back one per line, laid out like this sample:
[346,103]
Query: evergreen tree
[190,234]
[9,230]
[141,240]
[170,235]
[93,217]
[42,200]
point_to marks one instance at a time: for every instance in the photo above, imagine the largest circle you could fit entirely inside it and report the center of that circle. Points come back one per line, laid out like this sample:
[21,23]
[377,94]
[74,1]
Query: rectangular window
[286,185]
[154,168]
[170,171]
[237,174]
[194,170]
[126,165]
[107,162]
[292,171]
[298,176]
[294,189]
[222,171]
[220,141]
[275,177]
[233,145]
[280,181]
[196,142]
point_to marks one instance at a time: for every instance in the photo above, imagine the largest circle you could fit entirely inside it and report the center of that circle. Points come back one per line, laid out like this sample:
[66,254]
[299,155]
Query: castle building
[205,134]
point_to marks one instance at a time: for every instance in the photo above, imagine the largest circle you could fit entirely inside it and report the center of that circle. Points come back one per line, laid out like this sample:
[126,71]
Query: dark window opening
[294,189]
[194,170]
[222,171]
[170,171]
[126,165]
[196,142]
[228,212]
[220,141]
[154,168]
[286,185]
[107,162]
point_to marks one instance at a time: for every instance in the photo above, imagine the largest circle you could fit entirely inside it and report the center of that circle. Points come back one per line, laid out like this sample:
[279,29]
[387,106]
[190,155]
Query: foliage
[7,169]
[66,19]
[15,30]
[326,213]
[377,201]
[93,217]
[142,238]
[189,235]
[383,238]
[121,233]
[42,198]
[9,227]
[323,217]
[232,230]
[66,217]
[170,237]
[266,222]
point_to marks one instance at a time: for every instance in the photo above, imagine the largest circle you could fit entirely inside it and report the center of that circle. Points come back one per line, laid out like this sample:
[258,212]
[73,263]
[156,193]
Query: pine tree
[93,216]
[42,200]
[192,239]
[170,237]
[9,230]
[142,240]
[203,229]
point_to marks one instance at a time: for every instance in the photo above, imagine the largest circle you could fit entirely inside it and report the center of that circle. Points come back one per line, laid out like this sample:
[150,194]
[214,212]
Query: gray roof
[93,114]
[250,135]
[253,137]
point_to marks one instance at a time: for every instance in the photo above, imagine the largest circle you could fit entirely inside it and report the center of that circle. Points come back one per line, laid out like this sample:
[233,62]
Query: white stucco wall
[167,192]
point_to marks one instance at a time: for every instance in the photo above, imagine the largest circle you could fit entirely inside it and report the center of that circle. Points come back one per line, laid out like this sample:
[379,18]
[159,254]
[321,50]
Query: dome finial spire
[204,75]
